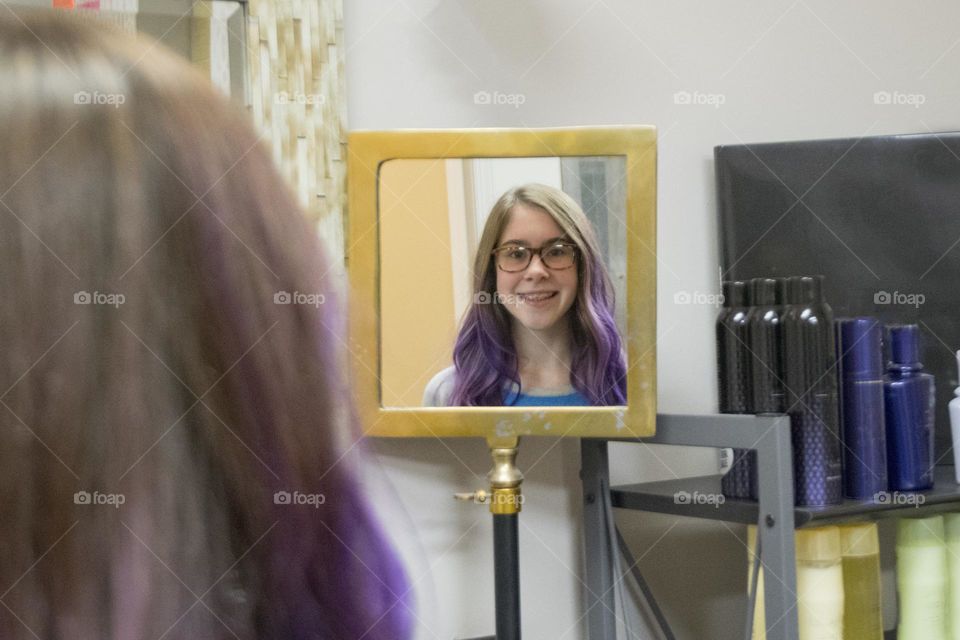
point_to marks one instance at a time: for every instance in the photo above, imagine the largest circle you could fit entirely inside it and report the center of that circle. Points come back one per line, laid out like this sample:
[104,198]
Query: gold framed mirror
[429,263]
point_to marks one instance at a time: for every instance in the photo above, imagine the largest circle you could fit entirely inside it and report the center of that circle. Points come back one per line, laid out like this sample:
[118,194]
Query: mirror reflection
[209,33]
[502,281]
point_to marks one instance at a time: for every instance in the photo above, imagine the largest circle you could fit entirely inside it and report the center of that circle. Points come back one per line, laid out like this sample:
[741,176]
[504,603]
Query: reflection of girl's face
[538,296]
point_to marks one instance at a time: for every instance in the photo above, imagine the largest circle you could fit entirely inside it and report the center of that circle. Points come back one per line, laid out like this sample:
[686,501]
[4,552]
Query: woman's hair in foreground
[144,233]
[484,354]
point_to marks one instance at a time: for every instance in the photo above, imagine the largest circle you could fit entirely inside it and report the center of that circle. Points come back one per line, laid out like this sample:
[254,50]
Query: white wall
[782,70]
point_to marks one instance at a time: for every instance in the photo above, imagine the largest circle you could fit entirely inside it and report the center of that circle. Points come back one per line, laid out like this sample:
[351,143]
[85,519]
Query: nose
[536,268]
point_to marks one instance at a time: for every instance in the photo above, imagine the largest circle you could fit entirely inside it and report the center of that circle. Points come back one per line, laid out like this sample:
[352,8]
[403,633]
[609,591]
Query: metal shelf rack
[774,512]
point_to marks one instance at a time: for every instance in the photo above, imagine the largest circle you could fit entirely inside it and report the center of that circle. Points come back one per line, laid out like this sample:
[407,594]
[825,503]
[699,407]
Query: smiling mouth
[537,297]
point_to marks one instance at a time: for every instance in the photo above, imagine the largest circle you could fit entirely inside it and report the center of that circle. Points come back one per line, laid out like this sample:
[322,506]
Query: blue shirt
[440,387]
[575,399]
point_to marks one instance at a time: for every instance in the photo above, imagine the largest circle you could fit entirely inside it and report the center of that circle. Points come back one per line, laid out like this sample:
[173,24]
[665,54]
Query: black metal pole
[506,574]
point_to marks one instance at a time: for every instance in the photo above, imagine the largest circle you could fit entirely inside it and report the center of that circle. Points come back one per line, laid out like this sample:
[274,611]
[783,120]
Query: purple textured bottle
[811,381]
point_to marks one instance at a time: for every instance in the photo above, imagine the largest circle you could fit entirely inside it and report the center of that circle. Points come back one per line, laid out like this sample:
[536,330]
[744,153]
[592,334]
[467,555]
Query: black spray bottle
[733,373]
[765,351]
[766,346]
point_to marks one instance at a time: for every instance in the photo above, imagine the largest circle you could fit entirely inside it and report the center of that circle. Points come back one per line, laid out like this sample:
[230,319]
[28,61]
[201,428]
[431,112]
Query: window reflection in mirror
[515,269]
[209,33]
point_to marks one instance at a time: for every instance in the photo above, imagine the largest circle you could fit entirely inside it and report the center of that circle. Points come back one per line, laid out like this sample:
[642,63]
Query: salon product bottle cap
[821,544]
[794,295]
[920,531]
[816,287]
[764,292]
[904,345]
[859,539]
[956,391]
[734,293]
[861,346]
[727,290]
[781,290]
[806,289]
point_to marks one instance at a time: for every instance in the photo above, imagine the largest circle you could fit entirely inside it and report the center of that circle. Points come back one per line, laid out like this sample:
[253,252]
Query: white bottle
[954,407]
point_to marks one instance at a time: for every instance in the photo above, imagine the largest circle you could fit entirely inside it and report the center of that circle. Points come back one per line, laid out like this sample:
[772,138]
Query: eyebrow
[527,244]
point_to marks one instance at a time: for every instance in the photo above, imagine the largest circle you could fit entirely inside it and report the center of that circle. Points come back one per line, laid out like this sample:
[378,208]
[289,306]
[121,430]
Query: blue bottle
[862,417]
[909,402]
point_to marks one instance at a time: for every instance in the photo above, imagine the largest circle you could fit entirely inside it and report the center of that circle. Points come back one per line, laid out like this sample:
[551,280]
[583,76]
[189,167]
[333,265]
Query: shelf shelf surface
[701,497]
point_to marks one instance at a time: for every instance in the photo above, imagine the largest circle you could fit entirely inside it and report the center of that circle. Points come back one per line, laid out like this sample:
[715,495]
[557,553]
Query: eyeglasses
[515,257]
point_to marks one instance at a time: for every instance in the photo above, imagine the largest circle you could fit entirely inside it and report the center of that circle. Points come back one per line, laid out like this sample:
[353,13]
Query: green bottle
[922,579]
[951,522]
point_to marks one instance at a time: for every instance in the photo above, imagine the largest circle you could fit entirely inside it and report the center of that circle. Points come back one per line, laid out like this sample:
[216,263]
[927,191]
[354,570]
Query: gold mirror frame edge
[368,150]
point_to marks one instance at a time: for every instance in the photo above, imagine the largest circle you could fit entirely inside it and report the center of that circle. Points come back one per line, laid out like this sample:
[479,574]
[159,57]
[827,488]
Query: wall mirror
[445,268]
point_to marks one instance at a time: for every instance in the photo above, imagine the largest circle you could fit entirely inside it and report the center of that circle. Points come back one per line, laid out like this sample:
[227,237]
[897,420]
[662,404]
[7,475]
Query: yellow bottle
[862,617]
[819,584]
[759,619]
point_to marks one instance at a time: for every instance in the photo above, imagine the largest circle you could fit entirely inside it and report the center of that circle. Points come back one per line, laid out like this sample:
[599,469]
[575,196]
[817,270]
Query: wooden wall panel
[295,66]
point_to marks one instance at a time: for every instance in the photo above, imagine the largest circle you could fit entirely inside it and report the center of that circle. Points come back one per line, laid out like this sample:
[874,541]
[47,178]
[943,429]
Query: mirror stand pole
[505,503]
